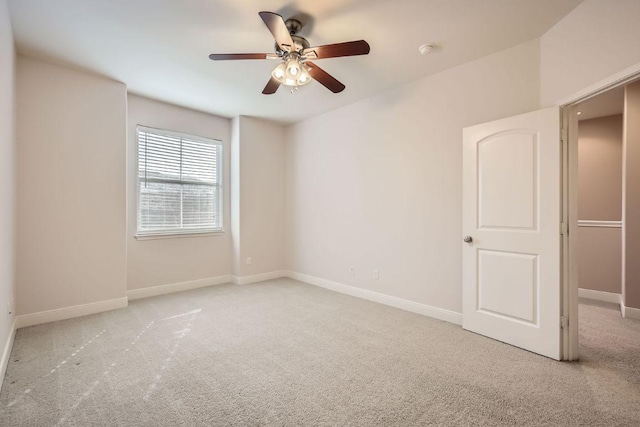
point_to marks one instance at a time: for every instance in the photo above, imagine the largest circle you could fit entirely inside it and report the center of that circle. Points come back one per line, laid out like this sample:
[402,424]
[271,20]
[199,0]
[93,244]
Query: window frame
[177,233]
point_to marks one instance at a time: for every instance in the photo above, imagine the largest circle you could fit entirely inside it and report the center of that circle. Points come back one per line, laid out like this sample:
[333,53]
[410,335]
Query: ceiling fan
[295,53]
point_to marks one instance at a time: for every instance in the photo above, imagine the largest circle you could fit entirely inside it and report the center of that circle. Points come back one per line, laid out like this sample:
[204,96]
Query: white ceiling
[606,104]
[160,48]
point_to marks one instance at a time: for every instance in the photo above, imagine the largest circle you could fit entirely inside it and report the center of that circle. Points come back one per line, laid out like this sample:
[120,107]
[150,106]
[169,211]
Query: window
[179,183]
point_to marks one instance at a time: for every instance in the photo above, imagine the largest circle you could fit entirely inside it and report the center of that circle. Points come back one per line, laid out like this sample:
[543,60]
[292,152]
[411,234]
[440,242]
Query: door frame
[569,138]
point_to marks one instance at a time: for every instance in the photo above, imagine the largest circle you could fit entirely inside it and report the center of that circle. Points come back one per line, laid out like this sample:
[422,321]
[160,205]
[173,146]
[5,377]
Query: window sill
[178,235]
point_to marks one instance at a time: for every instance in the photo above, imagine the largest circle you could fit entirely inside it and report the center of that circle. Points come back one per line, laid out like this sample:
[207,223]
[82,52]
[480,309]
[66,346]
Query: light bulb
[290,82]
[293,68]
[278,73]
[303,75]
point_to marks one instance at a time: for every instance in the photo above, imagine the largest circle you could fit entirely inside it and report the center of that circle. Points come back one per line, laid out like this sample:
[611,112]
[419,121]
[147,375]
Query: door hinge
[564,229]
[564,322]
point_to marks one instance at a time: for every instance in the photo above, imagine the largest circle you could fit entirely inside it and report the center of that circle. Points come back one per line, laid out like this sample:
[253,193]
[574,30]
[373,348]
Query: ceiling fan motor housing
[294,26]
[300,44]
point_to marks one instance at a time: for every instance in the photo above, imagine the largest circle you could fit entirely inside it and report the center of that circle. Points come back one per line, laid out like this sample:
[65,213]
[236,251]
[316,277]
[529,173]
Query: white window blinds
[179,183]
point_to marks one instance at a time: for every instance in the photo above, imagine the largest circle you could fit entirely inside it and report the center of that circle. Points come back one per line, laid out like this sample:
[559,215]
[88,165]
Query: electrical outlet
[248,260]
[352,270]
[376,274]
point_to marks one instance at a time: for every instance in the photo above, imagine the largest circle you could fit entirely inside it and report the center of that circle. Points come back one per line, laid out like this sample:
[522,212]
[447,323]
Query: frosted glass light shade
[292,72]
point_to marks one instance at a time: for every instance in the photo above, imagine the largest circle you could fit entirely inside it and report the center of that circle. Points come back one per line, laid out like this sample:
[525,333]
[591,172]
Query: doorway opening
[601,135]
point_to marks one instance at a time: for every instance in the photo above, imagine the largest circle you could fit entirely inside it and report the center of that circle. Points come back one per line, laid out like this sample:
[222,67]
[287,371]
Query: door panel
[512,211]
[507,182]
[507,285]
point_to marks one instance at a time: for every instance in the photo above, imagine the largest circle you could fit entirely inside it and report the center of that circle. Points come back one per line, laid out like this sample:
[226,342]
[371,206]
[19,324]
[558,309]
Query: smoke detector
[426,48]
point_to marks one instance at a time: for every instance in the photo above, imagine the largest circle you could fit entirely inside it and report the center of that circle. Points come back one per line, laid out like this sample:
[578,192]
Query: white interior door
[512,213]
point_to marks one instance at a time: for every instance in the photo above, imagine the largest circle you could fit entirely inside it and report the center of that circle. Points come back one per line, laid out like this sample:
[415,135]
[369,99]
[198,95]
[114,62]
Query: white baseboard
[69,312]
[153,291]
[629,312]
[403,304]
[245,280]
[600,296]
[6,353]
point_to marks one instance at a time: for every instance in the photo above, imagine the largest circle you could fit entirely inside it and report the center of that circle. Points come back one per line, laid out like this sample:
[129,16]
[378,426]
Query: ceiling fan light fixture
[292,72]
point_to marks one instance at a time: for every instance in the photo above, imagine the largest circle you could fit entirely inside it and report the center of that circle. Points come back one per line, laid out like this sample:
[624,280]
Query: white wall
[71,187]
[259,193]
[599,249]
[600,168]
[174,260]
[7,171]
[377,184]
[235,196]
[597,39]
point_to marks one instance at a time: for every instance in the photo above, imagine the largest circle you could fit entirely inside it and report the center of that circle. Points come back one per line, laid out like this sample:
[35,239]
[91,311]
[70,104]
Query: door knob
[468,239]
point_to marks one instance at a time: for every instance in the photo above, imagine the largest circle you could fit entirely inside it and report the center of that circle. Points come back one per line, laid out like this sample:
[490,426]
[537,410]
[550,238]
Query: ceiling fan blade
[276,25]
[271,87]
[324,78]
[226,56]
[359,47]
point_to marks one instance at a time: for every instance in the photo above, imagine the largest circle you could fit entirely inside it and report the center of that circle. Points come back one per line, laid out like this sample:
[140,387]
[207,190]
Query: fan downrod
[293,25]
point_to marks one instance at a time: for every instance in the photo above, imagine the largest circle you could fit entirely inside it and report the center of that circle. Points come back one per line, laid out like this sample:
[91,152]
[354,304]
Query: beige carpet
[285,353]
